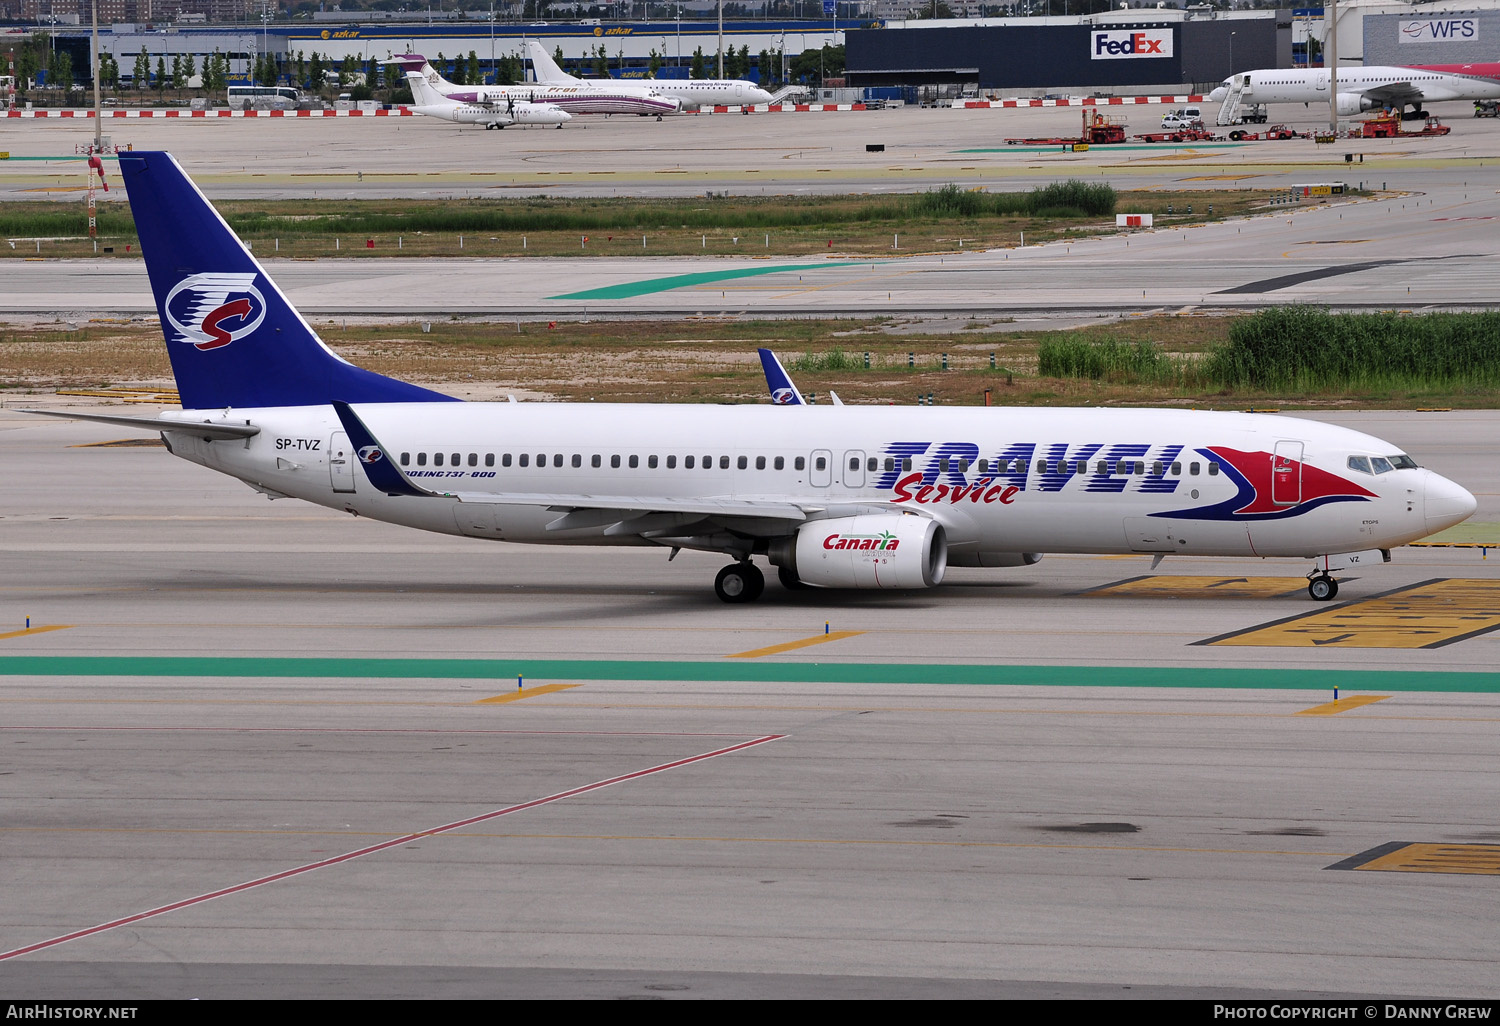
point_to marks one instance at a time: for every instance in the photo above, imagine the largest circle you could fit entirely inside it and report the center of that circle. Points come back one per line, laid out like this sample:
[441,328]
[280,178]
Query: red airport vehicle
[1387,125]
[1274,132]
[1098,130]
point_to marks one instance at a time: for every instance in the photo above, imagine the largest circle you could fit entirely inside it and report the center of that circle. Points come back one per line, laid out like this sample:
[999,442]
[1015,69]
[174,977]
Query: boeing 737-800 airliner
[835,496]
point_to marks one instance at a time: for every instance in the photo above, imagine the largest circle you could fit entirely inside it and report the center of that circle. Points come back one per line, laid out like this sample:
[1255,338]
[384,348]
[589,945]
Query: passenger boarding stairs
[1229,113]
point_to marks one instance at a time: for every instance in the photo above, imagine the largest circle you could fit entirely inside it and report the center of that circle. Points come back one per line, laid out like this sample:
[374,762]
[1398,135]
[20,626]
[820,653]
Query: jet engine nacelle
[1355,103]
[877,550]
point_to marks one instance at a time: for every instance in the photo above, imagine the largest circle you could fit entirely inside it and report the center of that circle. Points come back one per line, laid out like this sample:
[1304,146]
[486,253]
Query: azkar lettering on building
[340,34]
[1122,44]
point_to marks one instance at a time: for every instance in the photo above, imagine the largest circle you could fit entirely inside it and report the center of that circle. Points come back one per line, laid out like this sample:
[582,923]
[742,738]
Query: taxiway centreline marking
[37,630]
[383,845]
[818,639]
[1342,705]
[520,693]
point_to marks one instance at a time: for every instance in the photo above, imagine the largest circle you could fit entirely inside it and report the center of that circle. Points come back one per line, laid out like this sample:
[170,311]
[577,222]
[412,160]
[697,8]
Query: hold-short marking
[1425,857]
[756,653]
[1427,615]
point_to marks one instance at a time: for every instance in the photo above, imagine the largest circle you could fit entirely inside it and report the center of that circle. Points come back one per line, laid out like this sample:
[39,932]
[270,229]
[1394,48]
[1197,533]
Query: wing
[1395,92]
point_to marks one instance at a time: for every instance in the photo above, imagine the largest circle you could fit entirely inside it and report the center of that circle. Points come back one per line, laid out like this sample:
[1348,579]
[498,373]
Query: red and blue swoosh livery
[1254,475]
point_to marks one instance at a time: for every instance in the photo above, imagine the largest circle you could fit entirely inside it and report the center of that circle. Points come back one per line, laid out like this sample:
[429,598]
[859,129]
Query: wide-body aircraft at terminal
[1360,89]
[583,98]
[693,92]
[833,496]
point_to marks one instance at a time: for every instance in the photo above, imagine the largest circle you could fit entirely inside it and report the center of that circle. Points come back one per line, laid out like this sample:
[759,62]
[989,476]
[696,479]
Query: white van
[1187,117]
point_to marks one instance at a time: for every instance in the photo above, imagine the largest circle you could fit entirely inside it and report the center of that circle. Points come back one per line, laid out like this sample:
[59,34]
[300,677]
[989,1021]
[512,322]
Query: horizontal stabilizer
[204,429]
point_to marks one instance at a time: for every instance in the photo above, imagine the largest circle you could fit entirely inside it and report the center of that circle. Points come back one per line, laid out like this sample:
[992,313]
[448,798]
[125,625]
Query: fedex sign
[1118,44]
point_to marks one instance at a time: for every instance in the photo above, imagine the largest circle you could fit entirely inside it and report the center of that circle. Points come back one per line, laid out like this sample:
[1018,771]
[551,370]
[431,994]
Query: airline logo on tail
[212,310]
[784,396]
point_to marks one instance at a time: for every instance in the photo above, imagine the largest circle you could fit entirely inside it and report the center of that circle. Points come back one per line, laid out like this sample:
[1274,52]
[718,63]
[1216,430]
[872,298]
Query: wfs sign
[1448,30]
[1119,44]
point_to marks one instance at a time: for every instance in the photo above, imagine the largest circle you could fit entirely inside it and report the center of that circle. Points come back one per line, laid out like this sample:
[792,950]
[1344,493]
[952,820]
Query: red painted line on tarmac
[383,845]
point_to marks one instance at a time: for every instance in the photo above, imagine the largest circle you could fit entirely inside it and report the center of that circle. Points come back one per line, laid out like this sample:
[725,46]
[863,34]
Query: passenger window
[779,463]
[596,461]
[489,459]
[984,466]
[1083,467]
[853,462]
[505,460]
[671,462]
[1177,469]
[743,462]
[405,458]
[456,459]
[650,462]
[635,461]
[1213,469]
[1156,469]
[1193,469]
[473,459]
[437,459]
[760,463]
[614,461]
[577,460]
[687,463]
[1102,467]
[708,463]
[943,465]
[1360,463]
[1022,467]
[525,459]
[872,464]
[421,459]
[799,463]
[905,464]
[557,459]
[1140,468]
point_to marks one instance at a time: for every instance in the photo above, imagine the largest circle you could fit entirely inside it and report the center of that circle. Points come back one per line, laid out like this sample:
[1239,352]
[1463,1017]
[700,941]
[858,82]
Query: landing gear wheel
[1322,588]
[739,582]
[789,579]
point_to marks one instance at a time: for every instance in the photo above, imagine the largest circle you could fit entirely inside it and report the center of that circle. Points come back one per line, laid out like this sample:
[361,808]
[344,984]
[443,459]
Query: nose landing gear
[739,582]
[1321,586]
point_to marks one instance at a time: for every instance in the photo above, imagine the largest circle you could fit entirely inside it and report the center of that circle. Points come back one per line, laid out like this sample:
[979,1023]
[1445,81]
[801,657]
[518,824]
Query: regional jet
[697,92]
[879,497]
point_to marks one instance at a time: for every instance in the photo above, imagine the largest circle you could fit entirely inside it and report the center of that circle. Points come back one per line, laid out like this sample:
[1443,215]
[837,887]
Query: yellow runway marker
[1342,705]
[756,653]
[1428,615]
[36,630]
[1204,587]
[1483,859]
[516,696]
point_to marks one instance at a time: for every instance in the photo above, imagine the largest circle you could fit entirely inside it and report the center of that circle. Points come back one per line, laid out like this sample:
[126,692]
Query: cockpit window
[1360,463]
[1380,464]
[1401,461]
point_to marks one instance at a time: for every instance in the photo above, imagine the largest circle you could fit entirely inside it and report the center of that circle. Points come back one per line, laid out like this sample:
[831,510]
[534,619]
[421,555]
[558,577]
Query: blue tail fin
[233,338]
[783,392]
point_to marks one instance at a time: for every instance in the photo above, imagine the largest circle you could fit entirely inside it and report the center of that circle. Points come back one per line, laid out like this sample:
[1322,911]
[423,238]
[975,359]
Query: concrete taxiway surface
[264,748]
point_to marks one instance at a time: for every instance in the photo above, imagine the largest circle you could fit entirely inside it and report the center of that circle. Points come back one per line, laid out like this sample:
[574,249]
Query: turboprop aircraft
[695,92]
[583,98]
[494,114]
[836,497]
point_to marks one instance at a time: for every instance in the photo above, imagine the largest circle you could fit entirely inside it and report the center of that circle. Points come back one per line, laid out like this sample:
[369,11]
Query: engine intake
[878,550]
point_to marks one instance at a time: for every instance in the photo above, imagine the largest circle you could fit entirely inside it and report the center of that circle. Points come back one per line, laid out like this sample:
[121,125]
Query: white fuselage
[998,480]
[500,116]
[1312,85]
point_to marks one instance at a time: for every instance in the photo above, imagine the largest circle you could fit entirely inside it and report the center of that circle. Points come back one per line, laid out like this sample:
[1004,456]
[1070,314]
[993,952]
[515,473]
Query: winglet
[379,467]
[783,392]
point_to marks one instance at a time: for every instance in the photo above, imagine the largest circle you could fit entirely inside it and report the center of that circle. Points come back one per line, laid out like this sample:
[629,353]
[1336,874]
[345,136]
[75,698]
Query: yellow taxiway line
[520,693]
[1339,705]
[36,630]
[756,653]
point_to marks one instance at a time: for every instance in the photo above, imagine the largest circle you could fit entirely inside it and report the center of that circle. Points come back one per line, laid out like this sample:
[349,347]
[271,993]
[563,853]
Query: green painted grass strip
[677,281]
[771,672]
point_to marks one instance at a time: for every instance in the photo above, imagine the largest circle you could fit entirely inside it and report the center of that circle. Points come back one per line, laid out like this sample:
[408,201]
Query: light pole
[1231,54]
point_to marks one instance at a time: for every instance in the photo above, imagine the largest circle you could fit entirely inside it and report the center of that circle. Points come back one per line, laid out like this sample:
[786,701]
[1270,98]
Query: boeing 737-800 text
[834,496]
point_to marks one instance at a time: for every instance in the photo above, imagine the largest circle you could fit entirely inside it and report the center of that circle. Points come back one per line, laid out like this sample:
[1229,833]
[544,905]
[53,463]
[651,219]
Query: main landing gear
[1321,586]
[740,582]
